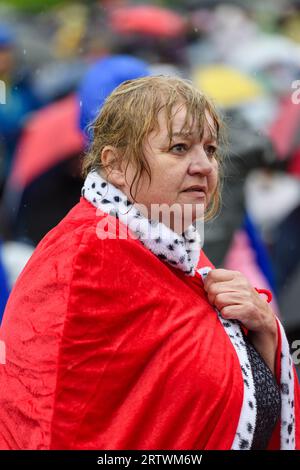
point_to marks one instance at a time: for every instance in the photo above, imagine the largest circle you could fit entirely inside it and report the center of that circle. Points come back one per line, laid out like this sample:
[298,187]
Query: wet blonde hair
[130,113]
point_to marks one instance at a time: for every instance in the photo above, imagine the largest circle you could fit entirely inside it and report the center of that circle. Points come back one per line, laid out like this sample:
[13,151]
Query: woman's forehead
[182,122]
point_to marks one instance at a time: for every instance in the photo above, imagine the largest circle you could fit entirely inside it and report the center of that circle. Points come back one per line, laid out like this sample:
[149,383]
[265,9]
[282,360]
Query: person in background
[46,179]
[20,100]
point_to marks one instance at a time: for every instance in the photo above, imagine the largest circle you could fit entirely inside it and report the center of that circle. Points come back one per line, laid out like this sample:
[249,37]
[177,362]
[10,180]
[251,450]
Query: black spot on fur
[285,388]
[244,444]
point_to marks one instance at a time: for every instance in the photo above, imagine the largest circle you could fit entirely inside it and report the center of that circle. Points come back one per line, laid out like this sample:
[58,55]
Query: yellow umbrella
[227,86]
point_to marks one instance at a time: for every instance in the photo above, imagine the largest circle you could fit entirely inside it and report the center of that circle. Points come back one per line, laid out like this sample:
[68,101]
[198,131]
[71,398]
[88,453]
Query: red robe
[107,347]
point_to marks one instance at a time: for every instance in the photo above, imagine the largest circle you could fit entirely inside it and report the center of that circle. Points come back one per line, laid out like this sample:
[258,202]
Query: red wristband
[265,292]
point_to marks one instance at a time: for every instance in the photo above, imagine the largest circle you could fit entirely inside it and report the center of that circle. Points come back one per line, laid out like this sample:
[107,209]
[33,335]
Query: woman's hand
[231,293]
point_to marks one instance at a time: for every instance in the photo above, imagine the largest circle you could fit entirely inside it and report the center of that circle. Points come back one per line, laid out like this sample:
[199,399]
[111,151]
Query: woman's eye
[179,148]
[211,150]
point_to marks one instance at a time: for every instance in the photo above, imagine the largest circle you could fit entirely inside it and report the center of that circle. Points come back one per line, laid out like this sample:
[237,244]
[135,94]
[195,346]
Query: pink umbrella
[51,136]
[147,19]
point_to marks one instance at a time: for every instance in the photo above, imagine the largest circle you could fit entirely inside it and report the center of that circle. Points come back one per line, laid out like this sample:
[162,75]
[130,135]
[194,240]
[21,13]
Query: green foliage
[33,5]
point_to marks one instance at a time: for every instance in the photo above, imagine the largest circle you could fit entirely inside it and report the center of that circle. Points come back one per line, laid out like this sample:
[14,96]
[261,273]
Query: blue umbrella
[4,291]
[6,36]
[100,80]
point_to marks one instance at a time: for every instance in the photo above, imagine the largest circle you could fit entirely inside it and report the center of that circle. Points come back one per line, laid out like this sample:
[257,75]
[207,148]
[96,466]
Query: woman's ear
[112,167]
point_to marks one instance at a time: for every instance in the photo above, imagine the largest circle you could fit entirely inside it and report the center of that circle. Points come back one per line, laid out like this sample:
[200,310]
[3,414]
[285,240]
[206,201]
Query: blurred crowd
[58,62]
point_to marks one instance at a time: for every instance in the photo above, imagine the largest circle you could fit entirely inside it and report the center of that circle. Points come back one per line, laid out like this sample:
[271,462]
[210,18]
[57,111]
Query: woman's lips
[198,193]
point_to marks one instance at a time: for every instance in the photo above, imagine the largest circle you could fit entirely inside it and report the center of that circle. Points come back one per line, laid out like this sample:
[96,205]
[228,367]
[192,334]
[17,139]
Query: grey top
[268,399]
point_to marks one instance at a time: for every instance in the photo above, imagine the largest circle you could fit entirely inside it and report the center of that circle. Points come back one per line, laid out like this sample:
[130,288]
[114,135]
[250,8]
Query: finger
[236,312]
[215,288]
[231,296]
[228,299]
[219,275]
[241,312]
[233,312]
[239,282]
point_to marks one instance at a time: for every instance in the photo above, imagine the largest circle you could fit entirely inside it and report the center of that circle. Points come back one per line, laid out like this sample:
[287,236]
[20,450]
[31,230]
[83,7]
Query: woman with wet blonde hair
[119,332]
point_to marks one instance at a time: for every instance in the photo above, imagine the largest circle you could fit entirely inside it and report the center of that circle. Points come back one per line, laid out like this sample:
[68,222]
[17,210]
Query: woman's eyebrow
[212,136]
[182,134]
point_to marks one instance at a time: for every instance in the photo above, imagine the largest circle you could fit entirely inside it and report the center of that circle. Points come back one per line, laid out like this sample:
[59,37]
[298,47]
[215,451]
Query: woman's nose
[200,162]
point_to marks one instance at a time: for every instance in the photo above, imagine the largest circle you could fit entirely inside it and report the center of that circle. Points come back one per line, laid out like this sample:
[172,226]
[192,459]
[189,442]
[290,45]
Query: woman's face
[184,172]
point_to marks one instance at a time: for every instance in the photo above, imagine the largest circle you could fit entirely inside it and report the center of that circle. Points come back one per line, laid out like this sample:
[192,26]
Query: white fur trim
[182,252]
[287,429]
[246,426]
